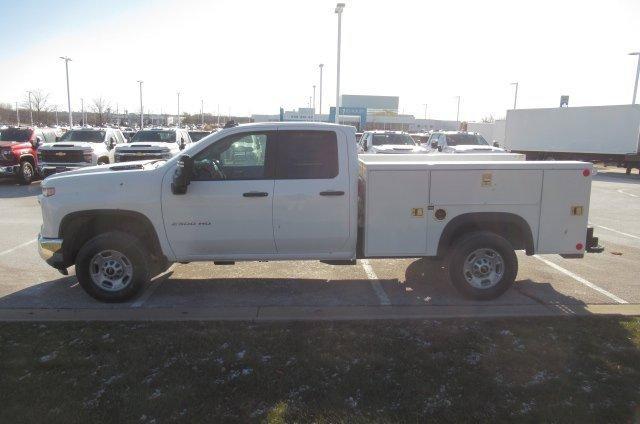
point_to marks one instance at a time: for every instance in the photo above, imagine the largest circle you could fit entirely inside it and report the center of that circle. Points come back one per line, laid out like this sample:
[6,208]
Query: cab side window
[307,155]
[236,157]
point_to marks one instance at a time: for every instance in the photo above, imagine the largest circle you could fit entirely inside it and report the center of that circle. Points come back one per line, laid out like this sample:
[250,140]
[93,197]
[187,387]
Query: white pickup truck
[298,191]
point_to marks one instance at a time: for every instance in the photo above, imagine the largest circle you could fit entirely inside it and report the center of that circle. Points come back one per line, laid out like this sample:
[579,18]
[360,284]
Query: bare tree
[101,106]
[38,101]
[488,119]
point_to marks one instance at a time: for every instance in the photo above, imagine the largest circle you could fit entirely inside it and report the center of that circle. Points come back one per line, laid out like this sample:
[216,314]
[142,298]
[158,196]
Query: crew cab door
[227,213]
[311,204]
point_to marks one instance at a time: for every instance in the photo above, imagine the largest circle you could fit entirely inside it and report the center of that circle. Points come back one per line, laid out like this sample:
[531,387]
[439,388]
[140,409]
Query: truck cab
[153,143]
[461,142]
[18,157]
[79,148]
[389,142]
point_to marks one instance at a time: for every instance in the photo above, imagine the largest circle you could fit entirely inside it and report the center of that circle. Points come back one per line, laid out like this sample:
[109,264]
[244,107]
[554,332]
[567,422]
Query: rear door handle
[256,194]
[332,193]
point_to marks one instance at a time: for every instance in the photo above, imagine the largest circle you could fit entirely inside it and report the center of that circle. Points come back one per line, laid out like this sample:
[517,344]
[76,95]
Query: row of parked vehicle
[30,152]
[398,142]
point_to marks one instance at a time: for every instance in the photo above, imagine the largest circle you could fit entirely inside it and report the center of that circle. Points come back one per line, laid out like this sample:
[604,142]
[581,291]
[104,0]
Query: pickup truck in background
[153,143]
[461,142]
[79,148]
[299,191]
[18,154]
[389,142]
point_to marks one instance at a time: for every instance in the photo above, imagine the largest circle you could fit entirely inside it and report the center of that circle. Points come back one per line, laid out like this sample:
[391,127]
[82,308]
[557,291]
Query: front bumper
[9,170]
[49,169]
[50,249]
[131,157]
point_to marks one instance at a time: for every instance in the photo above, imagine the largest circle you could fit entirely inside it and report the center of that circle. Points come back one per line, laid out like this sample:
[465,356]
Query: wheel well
[29,159]
[78,228]
[510,226]
[104,158]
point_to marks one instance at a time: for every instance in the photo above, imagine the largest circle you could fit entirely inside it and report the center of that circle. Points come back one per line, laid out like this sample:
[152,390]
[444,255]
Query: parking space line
[582,280]
[618,232]
[628,194]
[375,283]
[152,287]
[13,249]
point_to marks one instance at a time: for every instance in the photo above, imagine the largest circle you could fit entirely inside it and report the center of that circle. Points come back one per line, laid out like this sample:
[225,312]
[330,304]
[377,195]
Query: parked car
[389,142]
[197,135]
[78,148]
[153,143]
[128,133]
[18,154]
[461,142]
[293,191]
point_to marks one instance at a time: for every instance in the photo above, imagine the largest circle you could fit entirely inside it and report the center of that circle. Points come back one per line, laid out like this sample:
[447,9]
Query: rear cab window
[307,155]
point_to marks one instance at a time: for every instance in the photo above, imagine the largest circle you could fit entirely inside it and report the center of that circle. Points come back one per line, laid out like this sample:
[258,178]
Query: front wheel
[482,265]
[112,267]
[27,173]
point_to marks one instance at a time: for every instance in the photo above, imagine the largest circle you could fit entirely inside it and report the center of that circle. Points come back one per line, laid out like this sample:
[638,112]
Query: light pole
[515,96]
[17,114]
[30,110]
[458,112]
[425,111]
[82,111]
[66,65]
[320,94]
[635,87]
[178,109]
[56,110]
[202,112]
[141,109]
[339,9]
[314,102]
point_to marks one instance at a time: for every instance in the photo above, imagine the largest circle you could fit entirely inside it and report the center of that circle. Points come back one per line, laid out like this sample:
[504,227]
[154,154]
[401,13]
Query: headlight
[48,191]
[87,157]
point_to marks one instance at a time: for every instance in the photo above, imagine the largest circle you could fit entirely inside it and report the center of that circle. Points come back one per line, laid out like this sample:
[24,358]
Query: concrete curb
[312,313]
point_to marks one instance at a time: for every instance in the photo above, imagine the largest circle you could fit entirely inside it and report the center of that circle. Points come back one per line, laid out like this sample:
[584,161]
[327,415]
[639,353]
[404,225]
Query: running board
[338,262]
[224,262]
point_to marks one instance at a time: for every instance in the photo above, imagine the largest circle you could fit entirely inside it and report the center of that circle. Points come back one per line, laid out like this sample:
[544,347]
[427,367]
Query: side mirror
[434,144]
[365,147]
[181,145]
[439,148]
[496,144]
[183,174]
[35,143]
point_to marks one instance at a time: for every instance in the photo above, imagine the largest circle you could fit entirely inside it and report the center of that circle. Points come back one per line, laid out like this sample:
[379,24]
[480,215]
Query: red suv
[18,158]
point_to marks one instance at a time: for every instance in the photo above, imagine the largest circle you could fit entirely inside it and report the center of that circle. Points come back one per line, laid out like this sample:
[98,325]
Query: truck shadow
[425,284]
[10,188]
[617,177]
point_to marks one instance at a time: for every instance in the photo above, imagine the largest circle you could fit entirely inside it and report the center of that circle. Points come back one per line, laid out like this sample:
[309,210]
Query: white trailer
[593,133]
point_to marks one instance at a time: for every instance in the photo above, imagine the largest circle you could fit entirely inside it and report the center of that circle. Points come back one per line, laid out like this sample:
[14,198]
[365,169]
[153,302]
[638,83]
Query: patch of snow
[473,358]
[240,355]
[156,394]
[49,357]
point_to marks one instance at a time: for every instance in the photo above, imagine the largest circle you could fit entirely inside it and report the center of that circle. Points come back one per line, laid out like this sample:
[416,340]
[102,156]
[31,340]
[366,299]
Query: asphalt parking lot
[546,284]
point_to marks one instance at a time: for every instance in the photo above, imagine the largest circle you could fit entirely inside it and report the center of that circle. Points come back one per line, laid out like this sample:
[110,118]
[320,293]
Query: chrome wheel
[483,268]
[111,270]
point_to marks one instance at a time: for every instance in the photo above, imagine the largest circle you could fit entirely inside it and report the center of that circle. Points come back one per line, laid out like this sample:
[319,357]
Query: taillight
[579,246]
[586,172]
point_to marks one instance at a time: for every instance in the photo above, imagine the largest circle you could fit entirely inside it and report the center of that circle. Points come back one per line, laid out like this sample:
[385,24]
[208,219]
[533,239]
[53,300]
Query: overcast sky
[255,56]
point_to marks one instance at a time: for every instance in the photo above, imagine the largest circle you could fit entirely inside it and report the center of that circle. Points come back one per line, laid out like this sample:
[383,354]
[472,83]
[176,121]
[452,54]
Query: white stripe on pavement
[628,194]
[619,232]
[13,249]
[375,283]
[581,280]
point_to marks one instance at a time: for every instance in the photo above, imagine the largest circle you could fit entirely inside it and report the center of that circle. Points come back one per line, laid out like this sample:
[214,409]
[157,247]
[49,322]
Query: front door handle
[332,193]
[256,194]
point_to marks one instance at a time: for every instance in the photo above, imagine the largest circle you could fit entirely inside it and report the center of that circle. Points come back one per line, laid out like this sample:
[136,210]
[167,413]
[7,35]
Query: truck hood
[398,148]
[474,149]
[109,169]
[13,144]
[144,145]
[67,145]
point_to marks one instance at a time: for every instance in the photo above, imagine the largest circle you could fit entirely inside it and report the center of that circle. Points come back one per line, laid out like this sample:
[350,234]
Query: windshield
[156,136]
[466,140]
[15,134]
[83,135]
[198,135]
[380,139]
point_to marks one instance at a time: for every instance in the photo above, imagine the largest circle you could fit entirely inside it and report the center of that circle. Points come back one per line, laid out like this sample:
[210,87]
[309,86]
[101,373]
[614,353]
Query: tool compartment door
[396,213]
[561,228]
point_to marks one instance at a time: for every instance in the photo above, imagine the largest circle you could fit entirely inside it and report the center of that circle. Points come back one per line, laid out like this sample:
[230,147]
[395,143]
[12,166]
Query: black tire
[464,247]
[27,173]
[135,254]
[103,161]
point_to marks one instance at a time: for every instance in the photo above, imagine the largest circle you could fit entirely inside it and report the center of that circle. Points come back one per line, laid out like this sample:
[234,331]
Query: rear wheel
[112,267]
[27,172]
[482,265]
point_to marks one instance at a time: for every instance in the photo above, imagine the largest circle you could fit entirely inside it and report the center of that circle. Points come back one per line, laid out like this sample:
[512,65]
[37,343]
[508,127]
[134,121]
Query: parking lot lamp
[458,112]
[314,102]
[66,65]
[17,114]
[141,109]
[178,109]
[515,97]
[82,111]
[30,110]
[339,9]
[320,93]
[202,112]
[635,87]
